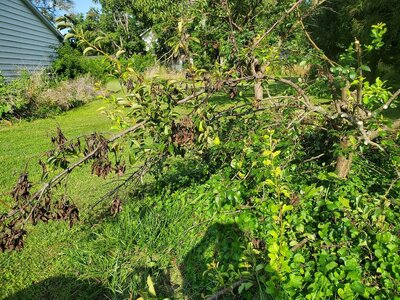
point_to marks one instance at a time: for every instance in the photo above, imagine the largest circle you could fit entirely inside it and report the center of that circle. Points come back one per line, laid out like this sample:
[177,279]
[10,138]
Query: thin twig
[135,175]
[387,104]
[227,289]
[314,158]
[391,186]
[283,17]
[301,243]
[315,46]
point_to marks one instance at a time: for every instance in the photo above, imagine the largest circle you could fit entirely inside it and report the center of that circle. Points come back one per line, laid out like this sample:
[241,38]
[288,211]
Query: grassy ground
[22,145]
[25,143]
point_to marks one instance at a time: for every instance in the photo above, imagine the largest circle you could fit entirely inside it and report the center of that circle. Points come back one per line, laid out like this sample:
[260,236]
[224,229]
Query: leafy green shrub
[18,96]
[251,212]
[140,62]
[70,63]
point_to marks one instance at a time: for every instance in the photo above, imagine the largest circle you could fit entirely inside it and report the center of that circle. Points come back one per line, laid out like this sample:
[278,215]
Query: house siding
[26,41]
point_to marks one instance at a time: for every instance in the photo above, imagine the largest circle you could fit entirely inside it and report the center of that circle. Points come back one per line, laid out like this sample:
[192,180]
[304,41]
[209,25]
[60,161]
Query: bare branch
[283,17]
[395,126]
[306,100]
[315,46]
[195,95]
[227,290]
[314,158]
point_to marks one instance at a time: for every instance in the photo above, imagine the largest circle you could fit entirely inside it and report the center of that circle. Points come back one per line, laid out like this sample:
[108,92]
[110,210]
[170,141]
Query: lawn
[22,145]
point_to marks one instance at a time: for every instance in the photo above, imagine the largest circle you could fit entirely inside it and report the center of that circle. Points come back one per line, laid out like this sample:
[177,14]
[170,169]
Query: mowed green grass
[21,146]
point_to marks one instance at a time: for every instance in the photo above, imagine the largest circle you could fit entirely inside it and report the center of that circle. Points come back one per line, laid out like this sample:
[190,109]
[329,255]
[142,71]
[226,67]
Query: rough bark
[345,159]
[258,72]
[258,93]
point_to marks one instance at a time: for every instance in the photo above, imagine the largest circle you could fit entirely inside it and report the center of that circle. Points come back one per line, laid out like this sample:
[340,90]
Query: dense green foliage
[338,22]
[70,64]
[115,25]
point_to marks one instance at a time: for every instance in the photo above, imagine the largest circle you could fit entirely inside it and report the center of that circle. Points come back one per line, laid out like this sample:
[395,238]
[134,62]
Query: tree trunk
[258,93]
[258,70]
[345,158]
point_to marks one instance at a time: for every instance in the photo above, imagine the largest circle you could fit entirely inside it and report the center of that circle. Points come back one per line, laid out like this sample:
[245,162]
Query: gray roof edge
[43,19]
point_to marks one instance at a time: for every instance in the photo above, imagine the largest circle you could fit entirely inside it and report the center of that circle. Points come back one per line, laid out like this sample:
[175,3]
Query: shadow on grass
[62,288]
[222,244]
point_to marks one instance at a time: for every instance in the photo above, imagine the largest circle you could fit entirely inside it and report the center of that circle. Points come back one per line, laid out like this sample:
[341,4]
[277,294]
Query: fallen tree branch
[138,174]
[375,134]
[55,180]
[59,177]
[195,95]
[306,100]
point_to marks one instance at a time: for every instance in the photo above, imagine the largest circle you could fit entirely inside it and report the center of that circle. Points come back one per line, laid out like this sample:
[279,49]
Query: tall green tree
[339,22]
[50,8]
[125,21]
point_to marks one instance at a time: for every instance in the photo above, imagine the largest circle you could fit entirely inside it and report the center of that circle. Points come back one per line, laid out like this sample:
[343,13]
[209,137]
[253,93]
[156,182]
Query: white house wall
[25,40]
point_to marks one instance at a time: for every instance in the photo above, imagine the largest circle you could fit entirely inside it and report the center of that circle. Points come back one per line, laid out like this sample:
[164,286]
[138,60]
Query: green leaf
[119,53]
[287,208]
[346,293]
[87,50]
[201,128]
[365,68]
[273,248]
[295,281]
[269,182]
[344,202]
[331,265]
[150,285]
[351,264]
[98,39]
[299,258]
[259,267]
[358,287]
[245,286]
[68,36]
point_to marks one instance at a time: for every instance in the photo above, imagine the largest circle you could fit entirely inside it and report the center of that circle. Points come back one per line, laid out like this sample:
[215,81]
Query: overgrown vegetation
[70,64]
[37,96]
[237,182]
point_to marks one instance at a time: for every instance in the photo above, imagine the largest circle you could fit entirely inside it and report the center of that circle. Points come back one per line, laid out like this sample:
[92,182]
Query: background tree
[117,30]
[50,8]
[338,22]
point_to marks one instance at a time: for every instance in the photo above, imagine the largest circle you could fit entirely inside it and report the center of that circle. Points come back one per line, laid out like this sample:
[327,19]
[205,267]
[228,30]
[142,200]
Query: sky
[82,6]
